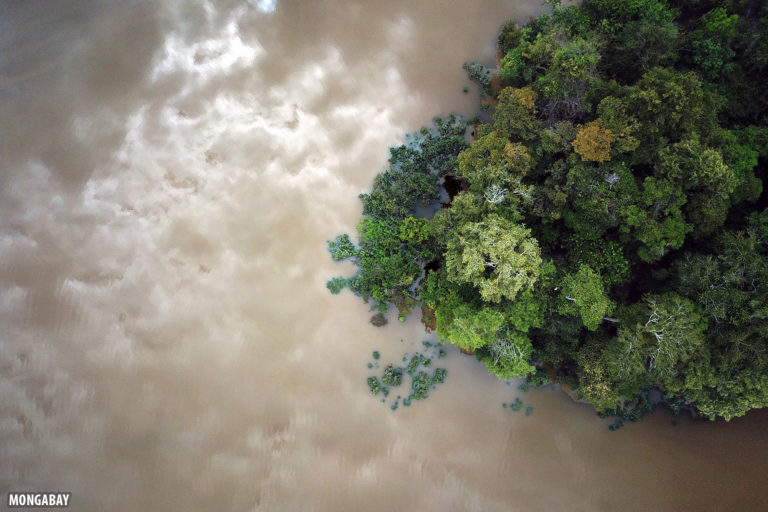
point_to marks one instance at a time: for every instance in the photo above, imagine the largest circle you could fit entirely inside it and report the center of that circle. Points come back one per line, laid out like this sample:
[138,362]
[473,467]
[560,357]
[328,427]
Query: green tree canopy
[583,295]
[497,256]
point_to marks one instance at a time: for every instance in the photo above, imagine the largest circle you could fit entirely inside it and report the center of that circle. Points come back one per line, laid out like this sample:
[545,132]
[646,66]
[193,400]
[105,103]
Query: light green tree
[582,294]
[496,255]
[472,329]
[508,356]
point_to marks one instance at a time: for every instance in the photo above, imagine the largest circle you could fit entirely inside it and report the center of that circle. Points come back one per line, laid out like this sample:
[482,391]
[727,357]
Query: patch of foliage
[392,376]
[341,248]
[479,74]
[375,385]
[515,406]
[379,320]
[336,284]
[418,367]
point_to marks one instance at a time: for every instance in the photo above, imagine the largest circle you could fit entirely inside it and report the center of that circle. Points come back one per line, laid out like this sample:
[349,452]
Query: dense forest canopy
[607,228]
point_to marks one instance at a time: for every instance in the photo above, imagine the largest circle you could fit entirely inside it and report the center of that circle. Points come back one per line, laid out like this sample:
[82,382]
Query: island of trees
[606,228]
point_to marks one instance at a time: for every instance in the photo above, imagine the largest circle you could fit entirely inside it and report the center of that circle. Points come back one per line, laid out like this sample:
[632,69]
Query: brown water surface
[169,174]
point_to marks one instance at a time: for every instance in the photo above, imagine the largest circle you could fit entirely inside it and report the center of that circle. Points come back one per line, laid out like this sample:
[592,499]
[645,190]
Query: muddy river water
[169,175]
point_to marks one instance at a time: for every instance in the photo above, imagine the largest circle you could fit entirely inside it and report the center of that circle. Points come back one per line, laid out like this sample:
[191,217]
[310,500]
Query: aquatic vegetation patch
[418,366]
[517,405]
[392,376]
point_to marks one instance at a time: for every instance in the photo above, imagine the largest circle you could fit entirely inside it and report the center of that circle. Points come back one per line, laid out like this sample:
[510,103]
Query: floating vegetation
[412,366]
[616,424]
[378,320]
[392,376]
[480,74]
[420,385]
[633,410]
[417,366]
[374,385]
[516,405]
